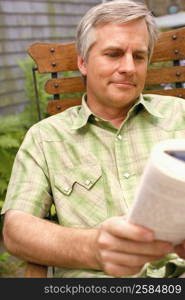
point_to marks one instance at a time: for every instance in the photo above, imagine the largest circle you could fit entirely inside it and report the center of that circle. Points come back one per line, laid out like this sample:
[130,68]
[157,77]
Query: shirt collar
[149,105]
[85,112]
[83,115]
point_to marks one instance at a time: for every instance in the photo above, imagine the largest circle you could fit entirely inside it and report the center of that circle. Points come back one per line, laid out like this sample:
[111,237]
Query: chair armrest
[35,271]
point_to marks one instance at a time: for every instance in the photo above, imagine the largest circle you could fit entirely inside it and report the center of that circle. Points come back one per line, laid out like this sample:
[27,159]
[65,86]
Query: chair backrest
[166,73]
[59,60]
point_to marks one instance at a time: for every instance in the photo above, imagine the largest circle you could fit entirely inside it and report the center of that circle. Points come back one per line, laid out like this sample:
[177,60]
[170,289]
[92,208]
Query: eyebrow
[115,48]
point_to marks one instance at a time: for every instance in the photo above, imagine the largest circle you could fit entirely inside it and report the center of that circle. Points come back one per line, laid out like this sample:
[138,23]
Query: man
[89,159]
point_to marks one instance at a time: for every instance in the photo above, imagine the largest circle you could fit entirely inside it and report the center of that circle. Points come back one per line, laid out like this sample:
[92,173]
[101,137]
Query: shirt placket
[122,152]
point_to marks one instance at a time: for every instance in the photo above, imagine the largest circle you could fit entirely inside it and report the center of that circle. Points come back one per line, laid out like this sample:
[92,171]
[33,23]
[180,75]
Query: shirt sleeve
[29,187]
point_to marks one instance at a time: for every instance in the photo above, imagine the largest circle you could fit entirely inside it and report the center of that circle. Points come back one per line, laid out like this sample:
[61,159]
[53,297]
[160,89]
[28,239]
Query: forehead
[134,32]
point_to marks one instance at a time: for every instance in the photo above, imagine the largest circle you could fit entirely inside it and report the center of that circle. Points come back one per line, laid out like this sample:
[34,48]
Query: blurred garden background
[23,22]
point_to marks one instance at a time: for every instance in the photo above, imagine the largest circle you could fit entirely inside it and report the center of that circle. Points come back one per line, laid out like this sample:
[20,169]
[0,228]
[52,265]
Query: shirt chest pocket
[79,196]
[84,176]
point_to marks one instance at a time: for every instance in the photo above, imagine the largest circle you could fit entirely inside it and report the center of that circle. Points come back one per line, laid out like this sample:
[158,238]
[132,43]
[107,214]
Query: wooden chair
[165,69]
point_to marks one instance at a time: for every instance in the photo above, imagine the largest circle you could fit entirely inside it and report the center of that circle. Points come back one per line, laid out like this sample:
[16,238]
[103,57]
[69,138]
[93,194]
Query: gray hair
[117,12]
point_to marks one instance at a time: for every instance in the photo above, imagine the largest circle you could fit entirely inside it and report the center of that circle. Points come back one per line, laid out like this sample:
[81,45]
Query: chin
[122,100]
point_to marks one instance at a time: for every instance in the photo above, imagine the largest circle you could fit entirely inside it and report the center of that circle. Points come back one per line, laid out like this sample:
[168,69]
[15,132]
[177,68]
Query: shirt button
[119,137]
[126,175]
[67,189]
[87,182]
[96,119]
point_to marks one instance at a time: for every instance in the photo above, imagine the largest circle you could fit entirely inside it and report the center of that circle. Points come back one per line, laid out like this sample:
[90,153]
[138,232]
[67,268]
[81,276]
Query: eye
[139,57]
[113,54]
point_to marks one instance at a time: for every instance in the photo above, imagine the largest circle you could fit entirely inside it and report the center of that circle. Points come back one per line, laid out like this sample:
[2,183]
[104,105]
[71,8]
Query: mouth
[124,84]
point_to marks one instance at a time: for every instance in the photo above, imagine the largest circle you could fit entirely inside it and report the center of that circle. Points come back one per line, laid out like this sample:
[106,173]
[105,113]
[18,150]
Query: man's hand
[123,248]
[180,250]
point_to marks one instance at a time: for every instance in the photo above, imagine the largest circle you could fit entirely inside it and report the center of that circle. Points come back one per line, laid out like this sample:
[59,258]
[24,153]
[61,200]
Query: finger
[156,248]
[112,243]
[123,229]
[127,260]
[180,250]
[120,271]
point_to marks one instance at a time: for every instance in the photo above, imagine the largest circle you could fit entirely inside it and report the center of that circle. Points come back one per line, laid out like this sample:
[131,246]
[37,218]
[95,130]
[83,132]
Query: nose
[126,64]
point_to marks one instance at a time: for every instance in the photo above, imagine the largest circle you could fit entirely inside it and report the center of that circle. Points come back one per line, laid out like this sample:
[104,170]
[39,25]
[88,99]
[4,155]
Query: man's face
[116,65]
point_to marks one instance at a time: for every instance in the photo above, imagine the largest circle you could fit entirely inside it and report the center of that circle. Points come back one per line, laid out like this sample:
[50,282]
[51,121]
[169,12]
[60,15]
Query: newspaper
[160,198]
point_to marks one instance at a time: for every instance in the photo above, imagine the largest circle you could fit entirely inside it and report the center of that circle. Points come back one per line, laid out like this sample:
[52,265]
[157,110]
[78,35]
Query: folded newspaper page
[160,198]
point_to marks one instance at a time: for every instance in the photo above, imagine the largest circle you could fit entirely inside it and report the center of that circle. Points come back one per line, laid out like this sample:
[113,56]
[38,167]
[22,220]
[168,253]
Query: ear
[82,65]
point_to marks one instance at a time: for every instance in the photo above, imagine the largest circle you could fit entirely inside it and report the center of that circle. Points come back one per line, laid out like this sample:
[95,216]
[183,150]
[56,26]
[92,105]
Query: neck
[114,115]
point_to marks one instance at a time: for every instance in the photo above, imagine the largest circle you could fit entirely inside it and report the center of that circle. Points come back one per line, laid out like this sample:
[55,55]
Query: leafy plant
[12,131]
[14,127]
[31,112]
[3,259]
[9,267]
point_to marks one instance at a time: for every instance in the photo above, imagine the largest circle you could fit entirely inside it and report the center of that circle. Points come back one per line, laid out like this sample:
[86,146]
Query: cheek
[142,75]
[103,68]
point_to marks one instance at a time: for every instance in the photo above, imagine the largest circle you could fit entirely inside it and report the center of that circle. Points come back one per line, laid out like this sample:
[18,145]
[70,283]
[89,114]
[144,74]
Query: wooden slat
[165,75]
[35,271]
[171,92]
[56,106]
[54,57]
[64,85]
[170,46]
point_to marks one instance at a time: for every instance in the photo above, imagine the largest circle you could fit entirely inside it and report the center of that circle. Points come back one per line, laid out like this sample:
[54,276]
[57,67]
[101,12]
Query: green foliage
[3,260]
[14,127]
[9,266]
[4,257]
[161,64]
[12,131]
[31,112]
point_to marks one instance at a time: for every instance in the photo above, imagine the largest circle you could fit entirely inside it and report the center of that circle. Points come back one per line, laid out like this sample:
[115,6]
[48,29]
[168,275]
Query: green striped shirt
[86,166]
